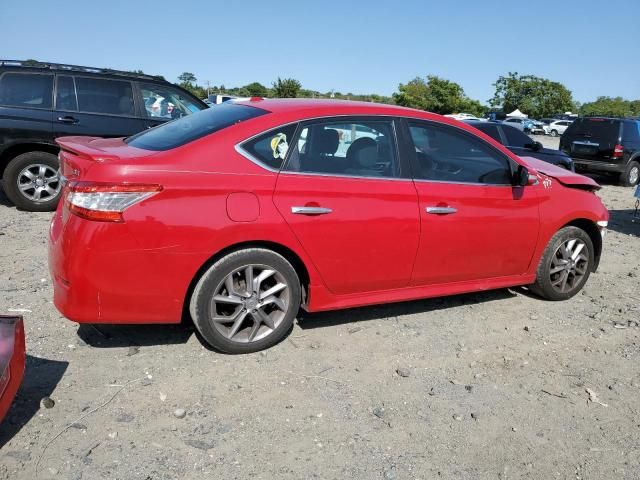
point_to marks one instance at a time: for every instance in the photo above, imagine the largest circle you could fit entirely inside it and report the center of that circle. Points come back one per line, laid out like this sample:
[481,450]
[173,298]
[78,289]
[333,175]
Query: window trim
[412,158]
[133,94]
[53,87]
[403,173]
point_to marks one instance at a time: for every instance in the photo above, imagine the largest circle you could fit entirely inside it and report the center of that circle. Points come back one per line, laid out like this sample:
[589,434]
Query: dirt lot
[489,385]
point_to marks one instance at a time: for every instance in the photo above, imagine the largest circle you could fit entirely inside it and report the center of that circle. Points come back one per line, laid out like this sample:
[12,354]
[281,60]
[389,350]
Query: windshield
[187,129]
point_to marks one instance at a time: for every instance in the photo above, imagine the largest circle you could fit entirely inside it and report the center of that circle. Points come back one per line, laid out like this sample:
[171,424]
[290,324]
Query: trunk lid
[565,177]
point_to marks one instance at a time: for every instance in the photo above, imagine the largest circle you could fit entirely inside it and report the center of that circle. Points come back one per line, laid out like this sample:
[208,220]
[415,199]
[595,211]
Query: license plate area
[585,148]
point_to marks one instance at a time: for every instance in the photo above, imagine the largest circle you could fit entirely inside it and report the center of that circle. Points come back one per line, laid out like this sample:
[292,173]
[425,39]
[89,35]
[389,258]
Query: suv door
[349,202]
[94,106]
[161,103]
[474,223]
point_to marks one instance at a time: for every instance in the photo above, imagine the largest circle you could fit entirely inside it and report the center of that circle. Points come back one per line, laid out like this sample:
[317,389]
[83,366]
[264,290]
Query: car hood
[566,177]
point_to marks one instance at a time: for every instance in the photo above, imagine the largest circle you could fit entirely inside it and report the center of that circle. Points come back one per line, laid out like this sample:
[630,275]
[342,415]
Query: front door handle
[310,210]
[68,119]
[441,210]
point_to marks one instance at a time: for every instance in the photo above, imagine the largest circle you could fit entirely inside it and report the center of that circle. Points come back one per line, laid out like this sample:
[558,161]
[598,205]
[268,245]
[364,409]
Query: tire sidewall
[625,179]
[204,290]
[543,282]
[10,177]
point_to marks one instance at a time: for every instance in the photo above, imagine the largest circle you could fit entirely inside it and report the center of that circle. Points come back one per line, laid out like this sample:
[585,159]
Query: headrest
[363,152]
[327,142]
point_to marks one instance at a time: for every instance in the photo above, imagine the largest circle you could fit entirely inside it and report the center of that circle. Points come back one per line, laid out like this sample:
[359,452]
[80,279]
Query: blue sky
[357,46]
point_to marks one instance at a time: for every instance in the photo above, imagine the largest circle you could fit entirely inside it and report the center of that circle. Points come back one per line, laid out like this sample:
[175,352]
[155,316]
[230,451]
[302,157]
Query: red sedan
[240,214]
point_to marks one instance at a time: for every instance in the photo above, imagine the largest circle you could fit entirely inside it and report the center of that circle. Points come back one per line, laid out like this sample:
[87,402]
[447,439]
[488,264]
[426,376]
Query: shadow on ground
[115,336]
[40,379]
[378,312]
[624,221]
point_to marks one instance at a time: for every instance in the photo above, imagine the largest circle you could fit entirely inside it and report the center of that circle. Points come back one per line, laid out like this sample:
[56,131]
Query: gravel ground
[495,385]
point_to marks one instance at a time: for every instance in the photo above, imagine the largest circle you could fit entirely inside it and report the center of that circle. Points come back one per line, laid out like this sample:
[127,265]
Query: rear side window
[29,90]
[187,129]
[98,95]
[631,131]
[446,154]
[163,102]
[271,148]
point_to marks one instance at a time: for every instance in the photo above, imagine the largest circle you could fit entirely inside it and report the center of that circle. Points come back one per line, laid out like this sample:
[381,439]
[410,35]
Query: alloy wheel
[569,265]
[634,175]
[39,183]
[250,303]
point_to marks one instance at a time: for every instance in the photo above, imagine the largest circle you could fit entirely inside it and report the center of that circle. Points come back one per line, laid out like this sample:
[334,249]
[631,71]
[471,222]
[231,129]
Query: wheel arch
[291,256]
[14,150]
[590,227]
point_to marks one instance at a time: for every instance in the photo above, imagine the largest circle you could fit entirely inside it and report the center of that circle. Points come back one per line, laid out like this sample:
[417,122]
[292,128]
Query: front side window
[187,129]
[271,148]
[29,90]
[515,138]
[163,102]
[446,154]
[362,148]
[99,95]
[66,94]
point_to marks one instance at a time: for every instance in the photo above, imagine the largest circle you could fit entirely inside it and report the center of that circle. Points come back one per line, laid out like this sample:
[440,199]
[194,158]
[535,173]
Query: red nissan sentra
[240,214]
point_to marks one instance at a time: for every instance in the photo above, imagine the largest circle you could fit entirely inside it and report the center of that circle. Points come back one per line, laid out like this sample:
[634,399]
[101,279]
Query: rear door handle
[310,210]
[441,210]
[68,119]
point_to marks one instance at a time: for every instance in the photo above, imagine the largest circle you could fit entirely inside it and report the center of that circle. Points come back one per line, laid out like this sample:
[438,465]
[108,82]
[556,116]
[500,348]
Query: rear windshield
[596,128]
[187,129]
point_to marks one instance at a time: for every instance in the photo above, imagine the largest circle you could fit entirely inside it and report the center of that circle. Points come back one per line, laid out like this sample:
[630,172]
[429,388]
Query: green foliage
[187,78]
[436,95]
[256,89]
[615,107]
[535,96]
[286,87]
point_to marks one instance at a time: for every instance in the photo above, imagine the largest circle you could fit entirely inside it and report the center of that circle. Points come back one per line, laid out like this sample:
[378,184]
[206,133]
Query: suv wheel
[554,133]
[631,174]
[246,301]
[565,265]
[32,181]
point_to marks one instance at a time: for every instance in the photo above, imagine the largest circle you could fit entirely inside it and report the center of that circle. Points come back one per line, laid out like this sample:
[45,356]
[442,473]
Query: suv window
[595,129]
[99,95]
[32,90]
[515,138]
[361,148]
[271,148]
[187,129]
[491,130]
[161,101]
[446,154]
[66,98]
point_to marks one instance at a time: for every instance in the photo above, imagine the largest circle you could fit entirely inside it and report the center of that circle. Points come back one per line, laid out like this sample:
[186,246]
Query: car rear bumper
[597,166]
[101,275]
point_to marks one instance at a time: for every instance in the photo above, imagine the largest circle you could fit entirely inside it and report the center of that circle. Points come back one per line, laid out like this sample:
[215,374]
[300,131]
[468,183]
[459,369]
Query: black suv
[605,145]
[522,144]
[42,101]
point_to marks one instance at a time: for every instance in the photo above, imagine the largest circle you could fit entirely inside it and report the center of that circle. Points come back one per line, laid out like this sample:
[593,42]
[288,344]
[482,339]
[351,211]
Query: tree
[616,107]
[535,96]
[187,78]
[256,89]
[286,87]
[436,95]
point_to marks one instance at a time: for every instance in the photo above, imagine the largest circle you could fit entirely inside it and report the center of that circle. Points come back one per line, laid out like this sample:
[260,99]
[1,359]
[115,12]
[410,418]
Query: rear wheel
[32,181]
[565,265]
[246,301]
[554,133]
[631,174]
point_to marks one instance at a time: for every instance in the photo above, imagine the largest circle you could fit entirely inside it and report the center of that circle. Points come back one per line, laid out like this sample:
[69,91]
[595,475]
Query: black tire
[631,174]
[544,285]
[11,176]
[209,283]
[554,133]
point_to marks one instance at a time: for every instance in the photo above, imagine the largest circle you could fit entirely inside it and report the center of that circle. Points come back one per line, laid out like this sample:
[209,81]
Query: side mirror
[521,176]
[535,146]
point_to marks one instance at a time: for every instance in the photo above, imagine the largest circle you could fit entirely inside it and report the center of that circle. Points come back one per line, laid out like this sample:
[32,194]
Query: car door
[94,106]
[474,223]
[350,203]
[161,103]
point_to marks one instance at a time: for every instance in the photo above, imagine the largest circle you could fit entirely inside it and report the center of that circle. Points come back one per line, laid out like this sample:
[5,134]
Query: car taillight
[7,344]
[618,151]
[105,202]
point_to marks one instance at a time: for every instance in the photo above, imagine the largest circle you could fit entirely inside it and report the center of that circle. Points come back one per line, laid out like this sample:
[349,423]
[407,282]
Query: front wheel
[32,181]
[631,174]
[246,301]
[565,265]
